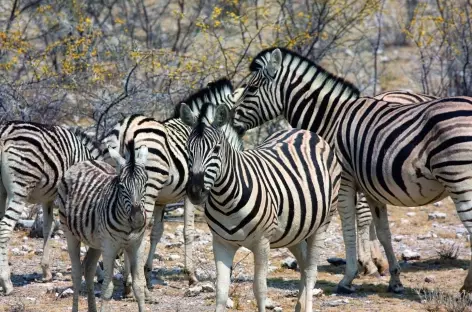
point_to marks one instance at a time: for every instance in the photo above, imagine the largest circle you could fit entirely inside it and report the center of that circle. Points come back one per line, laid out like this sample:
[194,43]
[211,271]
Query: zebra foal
[105,210]
[167,168]
[33,159]
[395,153]
[281,194]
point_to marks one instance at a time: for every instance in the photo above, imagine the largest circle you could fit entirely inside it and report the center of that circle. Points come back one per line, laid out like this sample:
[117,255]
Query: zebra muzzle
[137,217]
[196,190]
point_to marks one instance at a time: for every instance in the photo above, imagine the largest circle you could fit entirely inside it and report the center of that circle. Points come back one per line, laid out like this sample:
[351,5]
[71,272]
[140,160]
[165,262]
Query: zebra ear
[141,155]
[237,94]
[222,116]
[116,156]
[187,116]
[275,61]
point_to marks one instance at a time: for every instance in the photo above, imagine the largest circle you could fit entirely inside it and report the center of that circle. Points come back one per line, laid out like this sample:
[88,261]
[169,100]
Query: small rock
[25,238]
[411,214]
[169,236]
[437,216]
[208,287]
[83,250]
[336,261]
[178,212]
[410,255]
[429,279]
[424,236]
[17,252]
[193,291]
[434,235]
[404,221]
[269,304]
[317,292]
[59,275]
[173,257]
[25,248]
[229,303]
[38,252]
[205,275]
[335,303]
[174,245]
[66,293]
[289,263]
[438,204]
[278,309]
[398,238]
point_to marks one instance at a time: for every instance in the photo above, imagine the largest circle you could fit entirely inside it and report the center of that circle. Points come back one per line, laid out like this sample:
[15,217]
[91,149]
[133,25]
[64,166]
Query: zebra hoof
[346,290]
[396,289]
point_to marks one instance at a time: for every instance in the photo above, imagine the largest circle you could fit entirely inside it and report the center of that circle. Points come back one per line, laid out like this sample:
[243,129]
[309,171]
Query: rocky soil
[418,233]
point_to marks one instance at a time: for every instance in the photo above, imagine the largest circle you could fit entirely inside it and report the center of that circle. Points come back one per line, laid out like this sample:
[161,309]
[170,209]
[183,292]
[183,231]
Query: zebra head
[132,180]
[204,146]
[257,101]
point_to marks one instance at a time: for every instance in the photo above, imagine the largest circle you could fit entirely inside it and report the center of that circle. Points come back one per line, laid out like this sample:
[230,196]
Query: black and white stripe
[280,194]
[396,153]
[293,91]
[105,210]
[167,169]
[34,157]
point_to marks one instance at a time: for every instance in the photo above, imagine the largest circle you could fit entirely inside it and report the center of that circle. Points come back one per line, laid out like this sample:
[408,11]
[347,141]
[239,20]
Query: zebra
[106,211]
[167,168]
[281,194]
[33,159]
[372,138]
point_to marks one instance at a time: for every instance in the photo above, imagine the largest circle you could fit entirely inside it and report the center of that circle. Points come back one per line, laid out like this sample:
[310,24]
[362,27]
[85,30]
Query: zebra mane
[262,58]
[203,104]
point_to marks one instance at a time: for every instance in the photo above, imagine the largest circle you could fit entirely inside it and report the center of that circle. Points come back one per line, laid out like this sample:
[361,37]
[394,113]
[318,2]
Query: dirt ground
[411,230]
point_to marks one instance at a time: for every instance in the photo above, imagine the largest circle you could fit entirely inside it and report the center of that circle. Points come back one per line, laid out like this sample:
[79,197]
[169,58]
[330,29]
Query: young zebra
[105,210]
[33,159]
[168,173]
[398,154]
[281,194]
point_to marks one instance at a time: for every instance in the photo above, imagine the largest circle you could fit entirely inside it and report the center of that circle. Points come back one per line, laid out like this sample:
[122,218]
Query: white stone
[410,255]
[208,287]
[229,303]
[173,257]
[25,238]
[269,304]
[398,238]
[289,263]
[178,212]
[25,248]
[317,292]
[437,216]
[193,291]
[66,293]
[411,214]
[278,309]
[424,236]
[404,221]
[59,275]
[438,204]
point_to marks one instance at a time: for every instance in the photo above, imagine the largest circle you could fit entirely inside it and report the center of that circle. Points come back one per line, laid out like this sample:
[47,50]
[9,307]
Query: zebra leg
[261,252]
[73,247]
[315,244]
[189,235]
[127,277]
[347,211]
[463,202]
[224,254]
[299,252]
[90,265]
[156,234]
[364,220]
[135,257]
[7,223]
[379,212]
[375,252]
[109,254]
[48,218]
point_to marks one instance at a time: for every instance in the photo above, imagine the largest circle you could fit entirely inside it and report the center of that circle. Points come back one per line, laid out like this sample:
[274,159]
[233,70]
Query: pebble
[437,216]
[25,248]
[208,287]
[398,238]
[25,238]
[193,291]
[317,292]
[174,245]
[229,303]
[59,275]
[173,257]
[411,214]
[410,255]
[278,309]
[289,263]
[38,252]
[424,236]
[429,279]
[269,304]
[404,221]
[66,293]
[17,252]
[335,303]
[438,204]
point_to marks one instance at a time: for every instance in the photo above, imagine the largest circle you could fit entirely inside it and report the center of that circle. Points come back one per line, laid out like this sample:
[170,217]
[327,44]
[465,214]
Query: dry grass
[437,300]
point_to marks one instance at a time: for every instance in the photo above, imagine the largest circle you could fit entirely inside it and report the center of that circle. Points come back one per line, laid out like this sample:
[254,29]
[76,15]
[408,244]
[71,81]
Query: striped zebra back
[404,97]
[36,156]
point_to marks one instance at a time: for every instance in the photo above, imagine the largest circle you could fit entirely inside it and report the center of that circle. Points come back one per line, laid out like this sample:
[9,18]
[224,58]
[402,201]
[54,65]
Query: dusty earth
[411,231]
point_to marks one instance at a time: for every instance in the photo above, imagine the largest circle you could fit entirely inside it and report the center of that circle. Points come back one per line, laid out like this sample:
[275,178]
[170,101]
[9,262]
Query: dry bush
[437,300]
[448,251]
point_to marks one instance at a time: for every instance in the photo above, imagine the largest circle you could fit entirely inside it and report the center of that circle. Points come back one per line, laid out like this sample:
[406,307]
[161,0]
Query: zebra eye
[216,149]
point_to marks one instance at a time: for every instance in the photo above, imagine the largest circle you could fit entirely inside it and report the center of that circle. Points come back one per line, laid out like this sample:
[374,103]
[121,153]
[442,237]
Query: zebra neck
[316,99]
[232,137]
